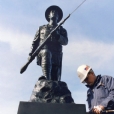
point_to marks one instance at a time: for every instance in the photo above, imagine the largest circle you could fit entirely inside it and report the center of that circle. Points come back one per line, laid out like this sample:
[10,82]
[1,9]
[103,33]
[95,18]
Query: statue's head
[52,12]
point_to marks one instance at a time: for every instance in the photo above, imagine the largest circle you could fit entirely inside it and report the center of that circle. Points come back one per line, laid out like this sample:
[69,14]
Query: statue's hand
[56,34]
[29,58]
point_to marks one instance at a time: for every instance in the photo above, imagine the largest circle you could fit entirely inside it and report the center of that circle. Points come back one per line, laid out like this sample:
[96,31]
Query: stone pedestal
[50,108]
[48,91]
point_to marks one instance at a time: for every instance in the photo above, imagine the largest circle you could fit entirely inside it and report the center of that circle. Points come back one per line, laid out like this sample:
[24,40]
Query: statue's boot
[46,63]
[46,68]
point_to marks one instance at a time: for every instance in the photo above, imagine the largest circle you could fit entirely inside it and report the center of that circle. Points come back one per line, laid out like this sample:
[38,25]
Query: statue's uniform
[50,56]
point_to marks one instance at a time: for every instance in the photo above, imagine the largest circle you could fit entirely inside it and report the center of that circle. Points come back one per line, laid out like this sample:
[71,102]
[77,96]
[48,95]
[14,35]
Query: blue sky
[91,41]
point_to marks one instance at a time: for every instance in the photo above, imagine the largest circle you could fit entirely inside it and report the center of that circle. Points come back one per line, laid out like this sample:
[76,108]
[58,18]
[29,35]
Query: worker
[100,95]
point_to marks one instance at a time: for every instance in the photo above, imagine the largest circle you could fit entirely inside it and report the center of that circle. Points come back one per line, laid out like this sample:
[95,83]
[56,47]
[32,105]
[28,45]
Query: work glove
[98,109]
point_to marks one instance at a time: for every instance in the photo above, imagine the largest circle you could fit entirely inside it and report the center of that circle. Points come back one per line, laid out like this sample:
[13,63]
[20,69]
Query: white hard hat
[83,71]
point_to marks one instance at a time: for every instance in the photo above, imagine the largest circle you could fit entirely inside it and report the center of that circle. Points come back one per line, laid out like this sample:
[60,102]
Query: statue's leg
[55,72]
[46,63]
[56,66]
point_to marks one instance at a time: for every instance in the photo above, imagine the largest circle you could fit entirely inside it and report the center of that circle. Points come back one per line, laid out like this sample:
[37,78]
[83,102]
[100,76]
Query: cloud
[9,107]
[18,42]
[88,51]
[80,97]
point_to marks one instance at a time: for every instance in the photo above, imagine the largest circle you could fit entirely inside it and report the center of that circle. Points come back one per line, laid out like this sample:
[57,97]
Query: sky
[91,42]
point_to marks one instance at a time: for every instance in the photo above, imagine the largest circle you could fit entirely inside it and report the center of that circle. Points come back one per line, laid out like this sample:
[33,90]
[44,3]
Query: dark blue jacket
[101,93]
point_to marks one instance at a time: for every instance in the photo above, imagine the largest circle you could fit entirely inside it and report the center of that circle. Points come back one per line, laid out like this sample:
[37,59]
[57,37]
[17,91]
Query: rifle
[44,42]
[40,46]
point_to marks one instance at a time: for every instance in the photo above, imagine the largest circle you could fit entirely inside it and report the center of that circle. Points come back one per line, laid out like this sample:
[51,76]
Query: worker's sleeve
[63,40]
[35,43]
[88,100]
[110,87]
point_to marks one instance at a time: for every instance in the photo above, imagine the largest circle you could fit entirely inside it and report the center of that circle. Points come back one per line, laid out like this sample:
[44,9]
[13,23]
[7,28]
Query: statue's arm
[63,40]
[35,43]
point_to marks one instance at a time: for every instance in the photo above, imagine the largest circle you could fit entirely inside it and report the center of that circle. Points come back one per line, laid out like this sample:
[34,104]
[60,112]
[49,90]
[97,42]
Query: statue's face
[53,15]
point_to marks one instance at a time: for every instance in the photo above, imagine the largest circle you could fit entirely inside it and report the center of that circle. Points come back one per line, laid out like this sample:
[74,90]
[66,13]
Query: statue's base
[50,108]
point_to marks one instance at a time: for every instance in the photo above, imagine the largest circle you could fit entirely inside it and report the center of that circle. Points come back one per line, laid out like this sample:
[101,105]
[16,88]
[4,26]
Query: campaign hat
[54,7]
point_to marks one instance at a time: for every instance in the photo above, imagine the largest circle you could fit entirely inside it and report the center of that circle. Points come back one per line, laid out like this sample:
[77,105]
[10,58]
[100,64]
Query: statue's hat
[59,10]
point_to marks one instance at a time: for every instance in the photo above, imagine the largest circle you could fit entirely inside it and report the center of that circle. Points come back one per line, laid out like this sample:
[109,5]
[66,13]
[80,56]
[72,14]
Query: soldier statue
[50,55]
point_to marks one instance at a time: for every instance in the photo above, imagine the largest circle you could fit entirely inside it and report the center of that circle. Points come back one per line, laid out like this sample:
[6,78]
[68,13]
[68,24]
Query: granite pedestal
[50,108]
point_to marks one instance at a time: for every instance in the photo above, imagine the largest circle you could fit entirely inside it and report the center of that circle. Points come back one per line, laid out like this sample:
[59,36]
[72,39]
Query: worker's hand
[98,109]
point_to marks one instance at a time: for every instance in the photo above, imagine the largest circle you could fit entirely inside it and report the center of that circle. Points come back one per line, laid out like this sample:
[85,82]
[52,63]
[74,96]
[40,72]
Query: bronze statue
[47,47]
[50,55]
[47,44]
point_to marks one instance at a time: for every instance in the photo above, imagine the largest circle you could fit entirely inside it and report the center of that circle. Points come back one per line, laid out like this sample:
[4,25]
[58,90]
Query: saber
[44,42]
